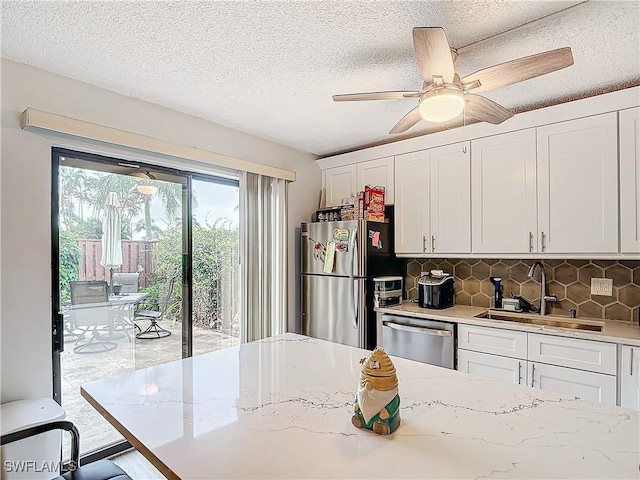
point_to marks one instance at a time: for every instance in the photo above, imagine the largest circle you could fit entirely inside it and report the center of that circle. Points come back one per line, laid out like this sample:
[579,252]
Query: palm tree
[170,194]
[125,186]
[78,187]
[73,193]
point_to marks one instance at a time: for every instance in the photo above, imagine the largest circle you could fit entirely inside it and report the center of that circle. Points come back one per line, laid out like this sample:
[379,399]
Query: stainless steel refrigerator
[338,305]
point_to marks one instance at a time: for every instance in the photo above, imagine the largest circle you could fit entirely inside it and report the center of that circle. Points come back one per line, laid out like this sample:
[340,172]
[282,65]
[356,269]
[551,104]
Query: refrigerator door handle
[354,305]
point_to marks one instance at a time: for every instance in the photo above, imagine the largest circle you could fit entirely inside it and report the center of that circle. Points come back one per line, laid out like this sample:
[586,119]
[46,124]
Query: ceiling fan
[445,95]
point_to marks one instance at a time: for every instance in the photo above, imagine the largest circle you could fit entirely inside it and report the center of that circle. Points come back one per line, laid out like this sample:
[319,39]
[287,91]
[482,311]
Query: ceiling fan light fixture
[147,189]
[441,105]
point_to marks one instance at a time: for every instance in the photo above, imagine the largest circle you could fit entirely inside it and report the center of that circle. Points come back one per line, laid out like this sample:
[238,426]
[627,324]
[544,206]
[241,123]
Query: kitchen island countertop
[281,408]
[614,331]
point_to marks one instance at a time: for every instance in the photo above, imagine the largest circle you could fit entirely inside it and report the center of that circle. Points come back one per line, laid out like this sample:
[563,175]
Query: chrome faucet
[544,298]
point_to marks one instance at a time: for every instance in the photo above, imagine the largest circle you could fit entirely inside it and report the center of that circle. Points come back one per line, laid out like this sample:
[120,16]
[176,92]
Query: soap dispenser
[497,293]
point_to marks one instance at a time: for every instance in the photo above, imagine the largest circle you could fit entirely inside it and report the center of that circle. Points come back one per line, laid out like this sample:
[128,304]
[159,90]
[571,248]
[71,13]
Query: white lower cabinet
[629,376]
[572,366]
[507,369]
[595,387]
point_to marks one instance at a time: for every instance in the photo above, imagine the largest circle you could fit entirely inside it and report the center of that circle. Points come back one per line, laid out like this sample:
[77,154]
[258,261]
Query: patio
[130,354]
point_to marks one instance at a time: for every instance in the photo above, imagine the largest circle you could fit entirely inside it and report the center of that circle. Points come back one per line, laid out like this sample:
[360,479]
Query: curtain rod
[34,120]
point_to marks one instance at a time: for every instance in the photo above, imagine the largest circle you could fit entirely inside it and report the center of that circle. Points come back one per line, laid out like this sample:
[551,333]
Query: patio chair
[92,313]
[154,330]
[130,284]
[128,281]
[100,470]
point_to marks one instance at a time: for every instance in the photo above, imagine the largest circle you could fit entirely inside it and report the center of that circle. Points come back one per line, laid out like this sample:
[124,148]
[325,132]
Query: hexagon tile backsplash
[569,280]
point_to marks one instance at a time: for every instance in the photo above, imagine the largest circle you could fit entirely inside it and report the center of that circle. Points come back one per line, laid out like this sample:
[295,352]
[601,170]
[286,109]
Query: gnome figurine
[377,404]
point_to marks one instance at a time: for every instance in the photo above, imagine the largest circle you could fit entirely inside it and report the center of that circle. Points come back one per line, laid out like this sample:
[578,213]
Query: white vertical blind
[263,225]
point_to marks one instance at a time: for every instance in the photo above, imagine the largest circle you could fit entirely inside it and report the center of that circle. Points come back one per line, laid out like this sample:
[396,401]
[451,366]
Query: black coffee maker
[436,290]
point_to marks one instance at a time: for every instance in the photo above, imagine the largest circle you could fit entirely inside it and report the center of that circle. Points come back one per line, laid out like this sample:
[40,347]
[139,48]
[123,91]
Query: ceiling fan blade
[408,121]
[521,69]
[486,110]
[433,53]
[392,95]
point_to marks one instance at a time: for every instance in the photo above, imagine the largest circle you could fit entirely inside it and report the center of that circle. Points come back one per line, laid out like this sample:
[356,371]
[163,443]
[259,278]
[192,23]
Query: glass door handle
[58,332]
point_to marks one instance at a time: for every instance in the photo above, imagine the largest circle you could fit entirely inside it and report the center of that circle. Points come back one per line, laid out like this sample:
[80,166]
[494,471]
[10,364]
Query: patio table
[122,307]
[127,301]
[127,298]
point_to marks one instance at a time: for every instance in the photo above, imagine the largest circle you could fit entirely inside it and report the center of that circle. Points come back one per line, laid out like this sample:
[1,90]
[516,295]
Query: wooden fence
[137,256]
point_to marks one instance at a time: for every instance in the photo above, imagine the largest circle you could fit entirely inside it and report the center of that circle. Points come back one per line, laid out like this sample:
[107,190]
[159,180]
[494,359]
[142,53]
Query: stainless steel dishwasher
[426,341]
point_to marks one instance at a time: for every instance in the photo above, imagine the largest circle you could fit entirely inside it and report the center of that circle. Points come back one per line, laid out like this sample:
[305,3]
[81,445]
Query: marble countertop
[281,408]
[613,330]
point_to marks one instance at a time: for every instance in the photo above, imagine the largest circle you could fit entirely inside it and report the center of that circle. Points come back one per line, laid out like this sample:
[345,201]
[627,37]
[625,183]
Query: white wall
[25,171]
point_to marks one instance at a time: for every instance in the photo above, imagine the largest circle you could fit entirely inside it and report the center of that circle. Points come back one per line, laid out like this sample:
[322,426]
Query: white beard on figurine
[377,403]
[372,401]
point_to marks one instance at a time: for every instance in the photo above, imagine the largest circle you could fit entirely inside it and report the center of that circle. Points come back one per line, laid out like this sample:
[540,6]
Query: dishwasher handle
[422,330]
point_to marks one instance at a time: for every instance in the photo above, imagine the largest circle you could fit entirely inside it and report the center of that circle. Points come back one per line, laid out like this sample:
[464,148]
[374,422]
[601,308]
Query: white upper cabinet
[432,204]
[567,188]
[450,202]
[340,182]
[630,181]
[411,206]
[630,377]
[578,186]
[503,188]
[377,172]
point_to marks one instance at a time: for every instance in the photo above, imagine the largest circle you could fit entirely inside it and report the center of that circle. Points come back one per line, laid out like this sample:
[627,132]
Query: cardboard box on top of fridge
[374,203]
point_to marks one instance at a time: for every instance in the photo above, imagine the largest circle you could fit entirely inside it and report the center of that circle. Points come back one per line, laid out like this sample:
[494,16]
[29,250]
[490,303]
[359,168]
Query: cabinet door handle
[533,373]
[519,373]
[433,243]
[530,242]
[424,244]
[631,363]
[544,242]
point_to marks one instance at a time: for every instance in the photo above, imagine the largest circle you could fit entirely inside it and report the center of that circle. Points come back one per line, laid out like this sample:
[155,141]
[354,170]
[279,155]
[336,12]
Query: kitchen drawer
[574,353]
[508,343]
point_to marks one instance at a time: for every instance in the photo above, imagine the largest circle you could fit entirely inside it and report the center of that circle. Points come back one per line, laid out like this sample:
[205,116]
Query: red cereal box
[374,203]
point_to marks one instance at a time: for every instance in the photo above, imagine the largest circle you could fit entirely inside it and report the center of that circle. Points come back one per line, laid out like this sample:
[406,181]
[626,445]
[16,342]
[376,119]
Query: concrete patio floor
[130,354]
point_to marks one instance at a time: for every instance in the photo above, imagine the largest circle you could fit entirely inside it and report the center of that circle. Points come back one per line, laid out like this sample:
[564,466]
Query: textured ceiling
[270,68]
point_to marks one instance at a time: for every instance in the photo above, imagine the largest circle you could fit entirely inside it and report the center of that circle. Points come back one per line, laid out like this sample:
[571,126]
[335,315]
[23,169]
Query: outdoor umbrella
[111,236]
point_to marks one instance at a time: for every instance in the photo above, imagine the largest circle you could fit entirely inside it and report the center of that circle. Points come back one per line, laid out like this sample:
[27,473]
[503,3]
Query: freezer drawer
[334,309]
[424,341]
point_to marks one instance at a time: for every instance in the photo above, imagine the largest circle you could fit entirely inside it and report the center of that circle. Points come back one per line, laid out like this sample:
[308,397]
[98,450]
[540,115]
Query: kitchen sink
[540,320]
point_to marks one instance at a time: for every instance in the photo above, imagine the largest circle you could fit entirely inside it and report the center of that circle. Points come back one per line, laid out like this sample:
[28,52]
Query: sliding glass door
[144,270]
[216,267]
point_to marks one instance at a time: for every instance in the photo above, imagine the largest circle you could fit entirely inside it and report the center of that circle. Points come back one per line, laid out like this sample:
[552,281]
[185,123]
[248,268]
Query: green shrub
[214,254]
[69,262]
